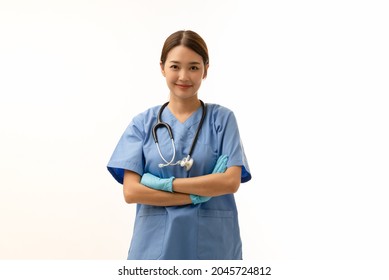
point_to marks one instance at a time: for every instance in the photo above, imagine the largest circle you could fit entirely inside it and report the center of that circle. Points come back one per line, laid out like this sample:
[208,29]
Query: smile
[183,86]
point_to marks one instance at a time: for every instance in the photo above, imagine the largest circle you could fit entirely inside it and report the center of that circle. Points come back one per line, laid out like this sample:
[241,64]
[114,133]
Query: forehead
[183,54]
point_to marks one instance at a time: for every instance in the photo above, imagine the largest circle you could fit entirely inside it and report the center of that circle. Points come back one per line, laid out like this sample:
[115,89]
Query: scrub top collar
[193,119]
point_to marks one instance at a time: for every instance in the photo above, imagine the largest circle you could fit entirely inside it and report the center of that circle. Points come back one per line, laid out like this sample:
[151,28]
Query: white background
[307,80]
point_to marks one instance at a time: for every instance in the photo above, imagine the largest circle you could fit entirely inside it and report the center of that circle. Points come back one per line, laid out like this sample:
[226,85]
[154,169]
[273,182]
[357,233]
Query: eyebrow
[177,62]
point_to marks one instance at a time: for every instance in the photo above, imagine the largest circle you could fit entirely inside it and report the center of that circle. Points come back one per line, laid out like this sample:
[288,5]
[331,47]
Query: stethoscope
[187,161]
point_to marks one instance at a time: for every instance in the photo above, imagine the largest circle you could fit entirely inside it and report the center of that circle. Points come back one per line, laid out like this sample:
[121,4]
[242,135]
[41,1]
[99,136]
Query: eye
[174,67]
[194,68]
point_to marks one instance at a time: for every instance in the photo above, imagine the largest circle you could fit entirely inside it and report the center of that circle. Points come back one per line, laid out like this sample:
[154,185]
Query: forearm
[134,192]
[211,184]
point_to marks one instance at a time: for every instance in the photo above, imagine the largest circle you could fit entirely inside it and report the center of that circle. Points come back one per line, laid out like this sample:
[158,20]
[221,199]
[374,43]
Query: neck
[183,108]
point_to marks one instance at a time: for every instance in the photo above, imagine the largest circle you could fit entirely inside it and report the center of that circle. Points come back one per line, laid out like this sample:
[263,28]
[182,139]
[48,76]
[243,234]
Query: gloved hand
[156,183]
[196,199]
[221,164]
[220,167]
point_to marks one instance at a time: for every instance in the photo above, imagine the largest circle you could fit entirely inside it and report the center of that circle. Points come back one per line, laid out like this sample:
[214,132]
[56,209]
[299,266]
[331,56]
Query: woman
[185,208]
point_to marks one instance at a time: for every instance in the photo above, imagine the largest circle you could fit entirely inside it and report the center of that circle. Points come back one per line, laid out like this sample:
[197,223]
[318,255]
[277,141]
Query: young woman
[181,163]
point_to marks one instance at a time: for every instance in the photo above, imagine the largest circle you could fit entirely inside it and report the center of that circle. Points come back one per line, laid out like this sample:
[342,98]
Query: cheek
[170,76]
[197,77]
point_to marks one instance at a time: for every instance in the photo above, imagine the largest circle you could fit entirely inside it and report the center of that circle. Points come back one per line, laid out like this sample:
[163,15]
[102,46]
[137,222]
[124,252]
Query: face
[184,71]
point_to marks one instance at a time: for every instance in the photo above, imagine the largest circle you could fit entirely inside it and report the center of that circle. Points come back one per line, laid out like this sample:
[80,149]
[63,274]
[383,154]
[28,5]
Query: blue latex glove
[156,183]
[221,164]
[220,167]
[196,199]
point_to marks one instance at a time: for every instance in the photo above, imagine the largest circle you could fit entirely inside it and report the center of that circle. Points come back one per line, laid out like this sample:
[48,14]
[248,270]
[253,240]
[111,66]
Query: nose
[183,75]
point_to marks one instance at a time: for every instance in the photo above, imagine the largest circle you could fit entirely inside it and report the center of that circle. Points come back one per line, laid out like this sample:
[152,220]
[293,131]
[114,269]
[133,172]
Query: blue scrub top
[204,231]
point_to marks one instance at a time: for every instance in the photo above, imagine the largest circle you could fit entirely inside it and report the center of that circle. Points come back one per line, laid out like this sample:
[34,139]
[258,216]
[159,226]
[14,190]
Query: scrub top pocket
[215,235]
[149,233]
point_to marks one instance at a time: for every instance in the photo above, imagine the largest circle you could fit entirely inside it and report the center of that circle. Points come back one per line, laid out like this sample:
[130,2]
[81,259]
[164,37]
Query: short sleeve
[128,154]
[231,143]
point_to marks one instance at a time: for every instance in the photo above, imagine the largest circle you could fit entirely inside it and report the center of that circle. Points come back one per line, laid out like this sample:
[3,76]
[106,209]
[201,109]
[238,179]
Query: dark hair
[189,39]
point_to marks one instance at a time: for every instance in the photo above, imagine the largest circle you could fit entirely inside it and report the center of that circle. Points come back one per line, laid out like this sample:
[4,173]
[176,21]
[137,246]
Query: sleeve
[128,154]
[231,145]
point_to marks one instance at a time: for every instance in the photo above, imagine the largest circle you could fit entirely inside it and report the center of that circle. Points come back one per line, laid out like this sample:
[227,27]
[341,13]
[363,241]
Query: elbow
[129,199]
[129,196]
[233,181]
[130,187]
[234,187]
[233,184]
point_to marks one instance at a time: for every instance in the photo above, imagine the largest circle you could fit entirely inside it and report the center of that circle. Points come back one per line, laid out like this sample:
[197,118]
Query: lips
[183,86]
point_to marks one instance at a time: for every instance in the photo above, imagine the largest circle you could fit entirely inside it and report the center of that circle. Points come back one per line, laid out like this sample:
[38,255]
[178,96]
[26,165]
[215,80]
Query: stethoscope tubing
[160,124]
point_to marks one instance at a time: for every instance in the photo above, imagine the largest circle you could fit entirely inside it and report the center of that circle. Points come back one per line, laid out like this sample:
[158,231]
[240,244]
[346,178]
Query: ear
[206,71]
[162,68]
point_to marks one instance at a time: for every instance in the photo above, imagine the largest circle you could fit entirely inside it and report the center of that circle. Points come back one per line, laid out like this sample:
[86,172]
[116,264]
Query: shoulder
[142,121]
[220,117]
[146,115]
[218,111]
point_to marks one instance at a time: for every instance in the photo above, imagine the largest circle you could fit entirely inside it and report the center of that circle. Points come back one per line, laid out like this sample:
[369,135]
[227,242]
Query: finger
[221,168]
[222,158]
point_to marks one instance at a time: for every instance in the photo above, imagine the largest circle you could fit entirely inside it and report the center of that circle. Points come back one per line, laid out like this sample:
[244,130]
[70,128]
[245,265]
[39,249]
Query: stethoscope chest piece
[187,162]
